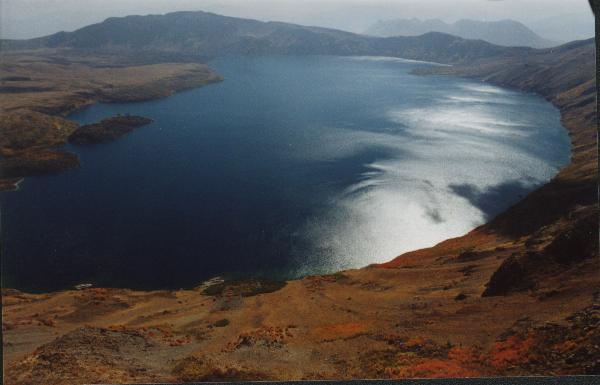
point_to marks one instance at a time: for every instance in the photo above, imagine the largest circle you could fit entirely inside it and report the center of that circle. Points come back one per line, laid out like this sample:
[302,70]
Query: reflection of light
[486,99]
[468,99]
[456,118]
[403,202]
[396,59]
[380,223]
[485,88]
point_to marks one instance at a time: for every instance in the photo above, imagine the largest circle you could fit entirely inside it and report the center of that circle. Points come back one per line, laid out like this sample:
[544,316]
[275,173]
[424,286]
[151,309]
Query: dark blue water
[291,166]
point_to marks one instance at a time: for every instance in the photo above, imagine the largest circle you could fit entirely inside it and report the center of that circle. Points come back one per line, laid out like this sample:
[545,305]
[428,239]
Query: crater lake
[293,165]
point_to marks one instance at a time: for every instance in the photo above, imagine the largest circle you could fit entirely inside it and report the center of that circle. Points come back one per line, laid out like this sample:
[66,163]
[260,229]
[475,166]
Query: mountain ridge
[505,32]
[201,36]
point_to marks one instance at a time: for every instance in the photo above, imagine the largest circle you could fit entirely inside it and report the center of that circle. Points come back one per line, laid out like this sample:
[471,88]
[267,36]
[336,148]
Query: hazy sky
[32,18]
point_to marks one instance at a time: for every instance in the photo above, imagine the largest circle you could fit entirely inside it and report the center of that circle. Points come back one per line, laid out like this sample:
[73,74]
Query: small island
[107,130]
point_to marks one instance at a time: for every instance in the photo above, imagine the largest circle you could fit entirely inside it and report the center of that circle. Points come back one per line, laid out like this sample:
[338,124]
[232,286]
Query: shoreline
[44,116]
[375,265]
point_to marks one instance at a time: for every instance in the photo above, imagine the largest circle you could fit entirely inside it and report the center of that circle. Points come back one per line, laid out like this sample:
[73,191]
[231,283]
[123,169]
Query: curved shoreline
[442,71]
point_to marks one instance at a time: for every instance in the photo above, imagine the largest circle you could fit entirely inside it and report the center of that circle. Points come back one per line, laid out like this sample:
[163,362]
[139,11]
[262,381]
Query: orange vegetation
[341,330]
[512,351]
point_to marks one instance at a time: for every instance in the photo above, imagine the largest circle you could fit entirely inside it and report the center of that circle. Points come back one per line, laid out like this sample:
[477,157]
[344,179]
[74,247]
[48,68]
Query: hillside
[507,33]
[201,35]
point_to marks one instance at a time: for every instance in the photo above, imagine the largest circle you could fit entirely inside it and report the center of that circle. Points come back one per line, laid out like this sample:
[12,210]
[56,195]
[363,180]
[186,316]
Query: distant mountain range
[201,35]
[565,27]
[507,33]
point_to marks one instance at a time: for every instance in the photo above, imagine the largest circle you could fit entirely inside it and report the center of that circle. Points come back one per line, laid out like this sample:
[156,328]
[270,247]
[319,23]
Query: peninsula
[40,88]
